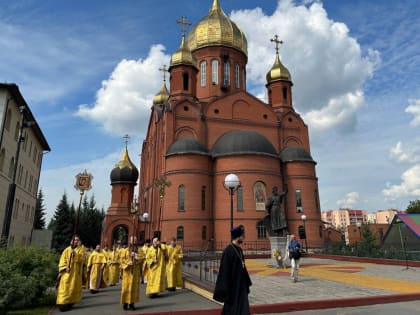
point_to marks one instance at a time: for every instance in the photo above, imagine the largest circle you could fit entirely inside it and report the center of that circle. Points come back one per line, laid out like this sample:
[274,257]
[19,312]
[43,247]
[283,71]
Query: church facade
[207,126]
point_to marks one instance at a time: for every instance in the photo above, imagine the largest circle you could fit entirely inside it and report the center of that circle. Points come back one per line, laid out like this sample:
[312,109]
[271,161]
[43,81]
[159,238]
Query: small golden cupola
[162,96]
[124,171]
[278,71]
[217,29]
[183,55]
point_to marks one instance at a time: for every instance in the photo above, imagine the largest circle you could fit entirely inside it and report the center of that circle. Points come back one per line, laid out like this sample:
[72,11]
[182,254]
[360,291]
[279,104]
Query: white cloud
[410,185]
[326,63]
[414,108]
[349,201]
[405,155]
[123,103]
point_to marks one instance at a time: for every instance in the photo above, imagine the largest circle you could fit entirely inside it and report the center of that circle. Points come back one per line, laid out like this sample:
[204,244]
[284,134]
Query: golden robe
[96,263]
[156,264]
[69,289]
[106,267]
[174,266]
[114,267]
[130,286]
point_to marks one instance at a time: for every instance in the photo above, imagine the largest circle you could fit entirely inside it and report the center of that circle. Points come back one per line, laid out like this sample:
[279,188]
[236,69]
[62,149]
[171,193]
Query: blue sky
[89,70]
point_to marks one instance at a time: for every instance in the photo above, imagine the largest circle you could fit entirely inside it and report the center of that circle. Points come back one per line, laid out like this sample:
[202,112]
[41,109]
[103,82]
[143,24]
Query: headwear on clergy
[237,232]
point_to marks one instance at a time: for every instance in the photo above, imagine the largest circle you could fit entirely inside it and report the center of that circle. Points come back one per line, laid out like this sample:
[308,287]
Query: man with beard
[69,281]
[233,281]
[174,265]
[156,258]
[95,266]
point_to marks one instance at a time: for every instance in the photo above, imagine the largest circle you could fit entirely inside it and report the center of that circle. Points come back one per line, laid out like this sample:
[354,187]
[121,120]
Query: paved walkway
[325,286]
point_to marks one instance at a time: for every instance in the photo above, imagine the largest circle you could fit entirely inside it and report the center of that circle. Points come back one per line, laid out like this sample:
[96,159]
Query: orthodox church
[206,127]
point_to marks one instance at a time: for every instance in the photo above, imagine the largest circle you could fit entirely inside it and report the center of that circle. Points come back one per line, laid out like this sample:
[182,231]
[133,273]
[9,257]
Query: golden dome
[162,96]
[183,55]
[278,72]
[125,161]
[217,29]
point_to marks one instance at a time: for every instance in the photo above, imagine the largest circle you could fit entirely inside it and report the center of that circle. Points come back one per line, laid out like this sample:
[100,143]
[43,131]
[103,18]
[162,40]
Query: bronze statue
[275,221]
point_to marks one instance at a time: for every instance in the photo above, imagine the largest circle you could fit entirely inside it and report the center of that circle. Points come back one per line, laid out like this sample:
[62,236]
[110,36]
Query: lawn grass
[41,310]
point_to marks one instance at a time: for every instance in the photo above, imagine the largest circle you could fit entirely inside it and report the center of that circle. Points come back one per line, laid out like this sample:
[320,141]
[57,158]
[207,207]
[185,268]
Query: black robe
[233,282]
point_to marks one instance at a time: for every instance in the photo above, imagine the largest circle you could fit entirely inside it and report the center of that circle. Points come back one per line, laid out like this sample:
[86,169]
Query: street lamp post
[24,123]
[231,183]
[145,219]
[303,217]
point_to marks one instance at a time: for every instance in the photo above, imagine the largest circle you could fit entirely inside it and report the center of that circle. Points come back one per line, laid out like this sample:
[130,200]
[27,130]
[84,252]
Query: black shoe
[131,307]
[171,289]
[152,296]
[64,307]
[125,306]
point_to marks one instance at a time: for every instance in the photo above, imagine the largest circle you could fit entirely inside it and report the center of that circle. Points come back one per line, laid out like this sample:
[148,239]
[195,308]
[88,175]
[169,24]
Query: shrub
[26,273]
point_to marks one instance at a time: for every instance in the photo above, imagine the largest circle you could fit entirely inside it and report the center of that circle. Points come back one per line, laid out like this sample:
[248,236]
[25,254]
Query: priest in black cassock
[233,281]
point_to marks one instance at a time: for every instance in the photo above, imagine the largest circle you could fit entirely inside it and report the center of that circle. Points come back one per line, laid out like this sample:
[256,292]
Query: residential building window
[298,194]
[203,198]
[8,119]
[180,233]
[16,210]
[226,73]
[11,167]
[2,157]
[203,73]
[261,230]
[215,71]
[240,199]
[204,233]
[237,76]
[17,131]
[181,198]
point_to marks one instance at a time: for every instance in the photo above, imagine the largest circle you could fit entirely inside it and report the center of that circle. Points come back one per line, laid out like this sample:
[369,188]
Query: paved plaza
[325,287]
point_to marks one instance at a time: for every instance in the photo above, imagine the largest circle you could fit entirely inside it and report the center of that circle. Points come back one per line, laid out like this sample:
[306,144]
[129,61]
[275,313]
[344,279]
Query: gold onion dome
[124,171]
[183,55]
[217,29]
[162,96]
[278,72]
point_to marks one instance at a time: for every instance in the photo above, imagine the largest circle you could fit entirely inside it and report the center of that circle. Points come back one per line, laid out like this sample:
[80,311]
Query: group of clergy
[157,264]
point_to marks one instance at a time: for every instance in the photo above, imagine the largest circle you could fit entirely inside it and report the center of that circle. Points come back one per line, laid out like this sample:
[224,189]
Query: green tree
[39,220]
[367,243]
[414,206]
[62,225]
[91,219]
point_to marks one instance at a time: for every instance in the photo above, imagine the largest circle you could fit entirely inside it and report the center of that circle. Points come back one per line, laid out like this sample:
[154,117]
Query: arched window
[180,233]
[203,198]
[2,157]
[261,230]
[214,71]
[226,73]
[8,119]
[185,81]
[237,83]
[240,199]
[181,198]
[203,73]
[204,233]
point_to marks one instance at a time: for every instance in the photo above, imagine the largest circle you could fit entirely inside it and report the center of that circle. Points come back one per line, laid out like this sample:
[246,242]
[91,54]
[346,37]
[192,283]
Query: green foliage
[26,274]
[62,225]
[39,220]
[414,206]
[90,226]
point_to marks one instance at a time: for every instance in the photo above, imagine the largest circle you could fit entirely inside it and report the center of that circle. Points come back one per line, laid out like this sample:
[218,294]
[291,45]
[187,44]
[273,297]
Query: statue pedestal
[279,243]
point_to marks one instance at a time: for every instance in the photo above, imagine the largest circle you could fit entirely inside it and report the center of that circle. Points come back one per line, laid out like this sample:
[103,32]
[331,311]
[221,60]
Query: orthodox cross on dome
[126,138]
[183,21]
[277,41]
[164,70]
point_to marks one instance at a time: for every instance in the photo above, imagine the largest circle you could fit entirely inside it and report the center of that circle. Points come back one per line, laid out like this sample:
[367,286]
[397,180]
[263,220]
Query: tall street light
[231,183]
[24,123]
[303,217]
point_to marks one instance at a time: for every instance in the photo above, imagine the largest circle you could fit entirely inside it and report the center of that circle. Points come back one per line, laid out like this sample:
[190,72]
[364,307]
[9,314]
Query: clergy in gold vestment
[107,254]
[95,266]
[70,267]
[174,265]
[130,259]
[156,258]
[114,265]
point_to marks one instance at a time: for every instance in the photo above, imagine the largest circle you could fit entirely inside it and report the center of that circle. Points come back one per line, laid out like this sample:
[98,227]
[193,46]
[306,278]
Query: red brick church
[208,126]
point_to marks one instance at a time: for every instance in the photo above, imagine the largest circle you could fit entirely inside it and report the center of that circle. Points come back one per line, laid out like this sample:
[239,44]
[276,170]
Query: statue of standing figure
[276,223]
